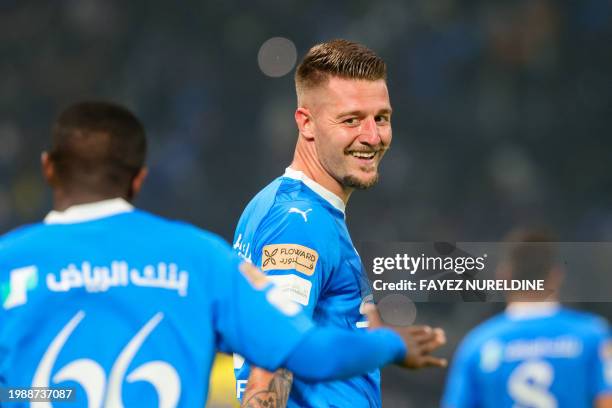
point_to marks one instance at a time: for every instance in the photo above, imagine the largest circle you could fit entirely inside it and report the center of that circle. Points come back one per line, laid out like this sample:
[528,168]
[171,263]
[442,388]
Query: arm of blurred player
[273,333]
[328,353]
[331,353]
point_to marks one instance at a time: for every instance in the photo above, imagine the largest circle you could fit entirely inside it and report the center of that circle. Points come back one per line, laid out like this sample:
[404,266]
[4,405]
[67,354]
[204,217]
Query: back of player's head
[97,147]
[340,58]
[531,254]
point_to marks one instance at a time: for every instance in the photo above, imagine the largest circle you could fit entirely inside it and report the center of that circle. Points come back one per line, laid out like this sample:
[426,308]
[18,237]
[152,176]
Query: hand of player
[419,340]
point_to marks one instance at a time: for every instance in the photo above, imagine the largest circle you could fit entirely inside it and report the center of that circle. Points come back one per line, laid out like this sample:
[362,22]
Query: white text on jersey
[101,278]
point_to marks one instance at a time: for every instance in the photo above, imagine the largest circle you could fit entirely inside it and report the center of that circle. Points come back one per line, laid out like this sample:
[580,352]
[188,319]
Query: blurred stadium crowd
[502,115]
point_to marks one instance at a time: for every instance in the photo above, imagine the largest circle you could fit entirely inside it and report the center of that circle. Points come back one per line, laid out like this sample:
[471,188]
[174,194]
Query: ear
[138,181]
[48,169]
[304,122]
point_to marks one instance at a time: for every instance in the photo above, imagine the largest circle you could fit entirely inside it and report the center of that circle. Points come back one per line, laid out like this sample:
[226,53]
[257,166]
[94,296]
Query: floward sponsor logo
[289,256]
[101,278]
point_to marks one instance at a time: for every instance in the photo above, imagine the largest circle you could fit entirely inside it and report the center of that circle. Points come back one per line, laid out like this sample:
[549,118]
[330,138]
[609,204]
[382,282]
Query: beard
[354,182]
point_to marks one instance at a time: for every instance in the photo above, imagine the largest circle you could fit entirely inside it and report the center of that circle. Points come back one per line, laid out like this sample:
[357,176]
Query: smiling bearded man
[295,229]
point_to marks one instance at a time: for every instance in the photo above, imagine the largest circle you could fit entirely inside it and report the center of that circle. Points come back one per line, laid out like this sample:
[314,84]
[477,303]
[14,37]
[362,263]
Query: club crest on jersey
[15,292]
[289,256]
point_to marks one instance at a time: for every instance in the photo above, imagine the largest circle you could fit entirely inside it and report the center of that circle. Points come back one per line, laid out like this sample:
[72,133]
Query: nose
[370,133]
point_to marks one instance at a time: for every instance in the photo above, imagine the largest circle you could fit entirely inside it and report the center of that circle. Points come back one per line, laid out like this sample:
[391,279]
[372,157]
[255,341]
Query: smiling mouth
[363,155]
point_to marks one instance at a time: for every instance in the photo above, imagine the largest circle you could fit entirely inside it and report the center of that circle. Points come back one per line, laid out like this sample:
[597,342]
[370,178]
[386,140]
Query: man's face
[352,129]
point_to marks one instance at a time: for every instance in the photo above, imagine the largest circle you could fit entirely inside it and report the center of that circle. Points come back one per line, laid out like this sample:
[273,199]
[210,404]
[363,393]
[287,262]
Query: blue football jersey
[128,308]
[295,231]
[532,356]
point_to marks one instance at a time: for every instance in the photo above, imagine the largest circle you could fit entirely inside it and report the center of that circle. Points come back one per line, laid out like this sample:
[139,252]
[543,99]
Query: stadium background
[502,116]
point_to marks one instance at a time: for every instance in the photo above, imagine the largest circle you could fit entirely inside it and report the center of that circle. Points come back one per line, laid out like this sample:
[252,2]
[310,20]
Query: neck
[305,160]
[63,200]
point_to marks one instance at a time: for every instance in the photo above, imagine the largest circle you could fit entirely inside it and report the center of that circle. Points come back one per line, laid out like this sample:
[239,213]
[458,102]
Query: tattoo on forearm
[277,394]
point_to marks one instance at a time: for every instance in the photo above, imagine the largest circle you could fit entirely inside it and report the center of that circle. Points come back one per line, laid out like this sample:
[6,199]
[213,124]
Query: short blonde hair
[340,58]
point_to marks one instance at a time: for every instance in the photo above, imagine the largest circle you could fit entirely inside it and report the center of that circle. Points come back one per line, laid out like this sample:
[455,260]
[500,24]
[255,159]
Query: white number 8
[529,385]
[91,376]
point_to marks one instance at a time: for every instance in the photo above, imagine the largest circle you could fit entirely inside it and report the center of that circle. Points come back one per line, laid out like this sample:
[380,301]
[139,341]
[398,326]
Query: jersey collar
[327,195]
[89,211]
[531,310]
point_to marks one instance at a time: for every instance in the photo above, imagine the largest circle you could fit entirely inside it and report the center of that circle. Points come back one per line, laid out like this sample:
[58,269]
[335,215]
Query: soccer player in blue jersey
[295,230]
[124,308]
[537,354]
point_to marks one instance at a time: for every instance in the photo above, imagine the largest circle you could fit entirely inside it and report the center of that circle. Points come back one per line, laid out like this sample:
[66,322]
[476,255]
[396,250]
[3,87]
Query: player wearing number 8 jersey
[537,354]
[129,308]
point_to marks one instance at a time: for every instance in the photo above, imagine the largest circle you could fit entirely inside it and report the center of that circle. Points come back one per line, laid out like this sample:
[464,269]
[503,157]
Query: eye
[382,119]
[351,121]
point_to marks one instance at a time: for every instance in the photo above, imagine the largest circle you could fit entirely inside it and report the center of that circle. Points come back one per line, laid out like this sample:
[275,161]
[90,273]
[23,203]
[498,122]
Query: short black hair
[531,254]
[97,147]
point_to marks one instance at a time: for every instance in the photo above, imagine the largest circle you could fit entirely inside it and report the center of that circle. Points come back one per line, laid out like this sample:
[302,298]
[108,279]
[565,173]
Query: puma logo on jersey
[304,214]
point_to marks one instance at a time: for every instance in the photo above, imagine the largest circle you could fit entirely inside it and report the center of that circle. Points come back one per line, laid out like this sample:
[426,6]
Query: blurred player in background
[131,307]
[537,354]
[295,230]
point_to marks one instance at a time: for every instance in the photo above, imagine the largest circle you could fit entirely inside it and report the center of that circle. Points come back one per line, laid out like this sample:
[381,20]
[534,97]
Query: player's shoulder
[303,213]
[286,212]
[295,202]
[583,322]
[265,198]
[286,196]
[301,222]
[20,235]
[492,328]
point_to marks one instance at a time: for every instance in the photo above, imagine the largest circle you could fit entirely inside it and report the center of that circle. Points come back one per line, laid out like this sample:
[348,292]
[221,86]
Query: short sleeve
[249,316]
[296,247]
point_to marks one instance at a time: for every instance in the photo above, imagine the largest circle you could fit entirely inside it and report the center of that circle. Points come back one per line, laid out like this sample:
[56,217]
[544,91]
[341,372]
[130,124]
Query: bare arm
[266,389]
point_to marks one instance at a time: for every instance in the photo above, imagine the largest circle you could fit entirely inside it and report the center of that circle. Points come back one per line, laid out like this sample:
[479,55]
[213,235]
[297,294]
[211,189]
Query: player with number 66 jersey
[125,308]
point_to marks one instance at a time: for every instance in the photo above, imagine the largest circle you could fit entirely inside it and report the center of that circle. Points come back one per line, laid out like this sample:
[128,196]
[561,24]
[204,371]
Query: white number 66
[91,376]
